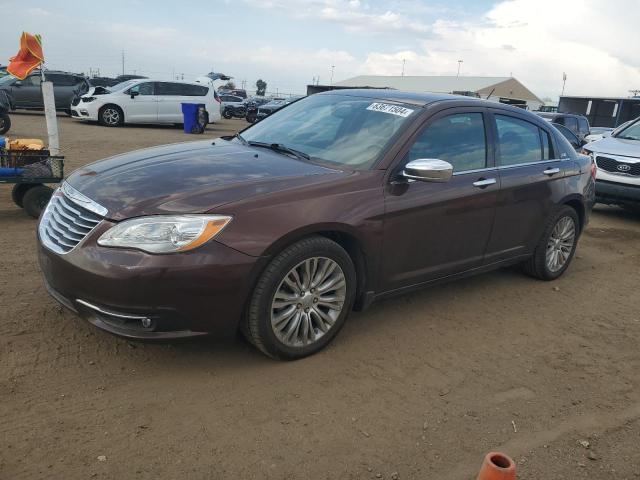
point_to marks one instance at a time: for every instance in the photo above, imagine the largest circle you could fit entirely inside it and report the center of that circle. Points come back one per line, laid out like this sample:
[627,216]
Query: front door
[433,230]
[28,92]
[141,104]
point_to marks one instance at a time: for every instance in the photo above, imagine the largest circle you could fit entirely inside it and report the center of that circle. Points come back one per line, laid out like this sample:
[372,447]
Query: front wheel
[301,300]
[556,248]
[227,114]
[5,123]
[111,116]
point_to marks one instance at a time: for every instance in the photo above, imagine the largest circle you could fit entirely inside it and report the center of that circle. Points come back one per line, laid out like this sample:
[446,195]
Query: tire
[540,265]
[309,311]
[35,199]
[111,116]
[227,114]
[18,191]
[5,123]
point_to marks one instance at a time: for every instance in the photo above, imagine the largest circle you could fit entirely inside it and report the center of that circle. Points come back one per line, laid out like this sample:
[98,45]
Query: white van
[144,101]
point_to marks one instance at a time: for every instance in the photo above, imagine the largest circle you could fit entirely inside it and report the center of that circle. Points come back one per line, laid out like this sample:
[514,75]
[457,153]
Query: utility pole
[459,64]
[123,61]
[332,68]
[403,62]
[564,81]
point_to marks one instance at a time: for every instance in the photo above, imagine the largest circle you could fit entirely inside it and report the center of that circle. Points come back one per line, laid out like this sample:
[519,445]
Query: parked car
[618,160]
[144,101]
[273,106]
[340,199]
[571,137]
[27,93]
[232,106]
[6,105]
[578,124]
[252,107]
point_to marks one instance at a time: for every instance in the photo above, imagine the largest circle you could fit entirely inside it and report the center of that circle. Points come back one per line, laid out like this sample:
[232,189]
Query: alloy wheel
[560,244]
[308,301]
[111,116]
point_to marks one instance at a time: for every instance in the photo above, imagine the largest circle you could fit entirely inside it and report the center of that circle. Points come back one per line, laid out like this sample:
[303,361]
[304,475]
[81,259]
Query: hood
[193,177]
[616,146]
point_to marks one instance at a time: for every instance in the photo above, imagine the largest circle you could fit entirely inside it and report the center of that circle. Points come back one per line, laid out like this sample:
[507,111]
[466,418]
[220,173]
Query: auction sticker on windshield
[392,109]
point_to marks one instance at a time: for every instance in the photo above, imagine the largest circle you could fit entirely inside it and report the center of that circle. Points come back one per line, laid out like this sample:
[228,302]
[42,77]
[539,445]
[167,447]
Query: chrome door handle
[551,171]
[484,182]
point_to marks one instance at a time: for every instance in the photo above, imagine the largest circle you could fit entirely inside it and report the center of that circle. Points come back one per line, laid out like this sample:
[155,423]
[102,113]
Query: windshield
[121,85]
[632,132]
[340,129]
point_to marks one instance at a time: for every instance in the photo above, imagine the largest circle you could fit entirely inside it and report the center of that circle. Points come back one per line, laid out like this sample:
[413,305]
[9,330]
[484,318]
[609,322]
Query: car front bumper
[138,295]
[613,192]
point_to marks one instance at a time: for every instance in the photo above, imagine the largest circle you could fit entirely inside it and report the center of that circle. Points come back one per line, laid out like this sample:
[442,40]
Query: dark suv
[340,199]
[27,93]
[578,124]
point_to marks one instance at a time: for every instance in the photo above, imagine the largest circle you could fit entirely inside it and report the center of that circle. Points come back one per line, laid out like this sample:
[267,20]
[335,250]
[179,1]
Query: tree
[230,85]
[261,88]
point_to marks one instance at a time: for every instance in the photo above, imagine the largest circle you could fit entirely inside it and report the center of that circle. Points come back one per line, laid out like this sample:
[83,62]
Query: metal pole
[403,62]
[459,63]
[564,81]
[332,67]
[122,61]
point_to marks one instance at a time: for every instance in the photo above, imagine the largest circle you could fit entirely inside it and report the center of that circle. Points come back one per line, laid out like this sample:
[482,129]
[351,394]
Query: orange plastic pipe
[497,466]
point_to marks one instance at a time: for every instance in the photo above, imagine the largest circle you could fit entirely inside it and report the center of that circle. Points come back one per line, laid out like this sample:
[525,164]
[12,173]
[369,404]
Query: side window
[170,88]
[583,125]
[32,81]
[571,123]
[458,139]
[143,88]
[194,90]
[547,148]
[518,141]
[61,80]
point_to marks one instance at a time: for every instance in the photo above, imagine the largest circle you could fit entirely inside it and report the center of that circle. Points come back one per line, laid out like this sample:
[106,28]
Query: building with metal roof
[500,89]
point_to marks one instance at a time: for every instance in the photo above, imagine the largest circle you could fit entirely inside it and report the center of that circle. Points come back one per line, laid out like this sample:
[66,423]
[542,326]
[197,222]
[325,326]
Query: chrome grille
[64,223]
[615,166]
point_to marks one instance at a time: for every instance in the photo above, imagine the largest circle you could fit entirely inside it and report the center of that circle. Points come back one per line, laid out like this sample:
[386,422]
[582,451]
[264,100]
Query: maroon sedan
[335,201]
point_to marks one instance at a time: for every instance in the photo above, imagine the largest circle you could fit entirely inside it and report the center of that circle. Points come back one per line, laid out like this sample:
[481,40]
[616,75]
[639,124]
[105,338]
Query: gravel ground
[418,387]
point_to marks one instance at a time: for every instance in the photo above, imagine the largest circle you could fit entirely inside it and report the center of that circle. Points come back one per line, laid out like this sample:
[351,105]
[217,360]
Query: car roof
[557,114]
[181,82]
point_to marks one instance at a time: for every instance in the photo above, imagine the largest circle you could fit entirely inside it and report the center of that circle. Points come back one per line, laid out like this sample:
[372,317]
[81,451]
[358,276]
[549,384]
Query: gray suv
[27,93]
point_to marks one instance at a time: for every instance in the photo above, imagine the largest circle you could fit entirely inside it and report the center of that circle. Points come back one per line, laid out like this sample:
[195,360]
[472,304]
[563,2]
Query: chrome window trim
[528,164]
[107,312]
[476,170]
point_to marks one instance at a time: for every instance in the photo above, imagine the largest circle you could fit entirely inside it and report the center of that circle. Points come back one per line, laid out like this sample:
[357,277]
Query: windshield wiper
[624,137]
[278,147]
[241,138]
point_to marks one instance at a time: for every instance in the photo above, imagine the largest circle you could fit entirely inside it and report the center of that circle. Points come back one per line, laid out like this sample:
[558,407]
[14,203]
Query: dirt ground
[418,387]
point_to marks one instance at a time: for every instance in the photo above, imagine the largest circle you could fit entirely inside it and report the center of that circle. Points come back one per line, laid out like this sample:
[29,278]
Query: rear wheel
[301,300]
[5,123]
[36,199]
[18,191]
[556,248]
[111,116]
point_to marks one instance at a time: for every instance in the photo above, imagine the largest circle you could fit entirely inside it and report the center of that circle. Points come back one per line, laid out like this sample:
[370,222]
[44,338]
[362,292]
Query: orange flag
[28,58]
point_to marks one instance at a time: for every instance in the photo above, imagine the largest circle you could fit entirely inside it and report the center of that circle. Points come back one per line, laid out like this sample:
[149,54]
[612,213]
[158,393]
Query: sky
[289,43]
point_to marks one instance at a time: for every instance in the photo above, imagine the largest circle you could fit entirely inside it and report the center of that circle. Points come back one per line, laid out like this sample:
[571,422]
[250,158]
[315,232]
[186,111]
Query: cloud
[353,15]
[520,37]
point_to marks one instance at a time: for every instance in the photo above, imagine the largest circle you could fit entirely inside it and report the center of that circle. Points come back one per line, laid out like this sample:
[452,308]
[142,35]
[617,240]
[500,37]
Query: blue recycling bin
[190,114]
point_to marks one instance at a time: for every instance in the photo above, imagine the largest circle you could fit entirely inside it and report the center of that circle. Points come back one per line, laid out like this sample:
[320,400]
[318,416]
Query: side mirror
[428,170]
[134,94]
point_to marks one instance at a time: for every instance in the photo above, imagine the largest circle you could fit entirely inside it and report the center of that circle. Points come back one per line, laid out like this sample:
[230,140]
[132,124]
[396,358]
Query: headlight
[164,233]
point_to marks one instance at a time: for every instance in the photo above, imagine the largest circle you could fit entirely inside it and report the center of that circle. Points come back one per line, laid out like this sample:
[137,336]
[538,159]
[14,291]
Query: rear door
[64,86]
[140,103]
[171,95]
[433,230]
[28,92]
[532,181]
